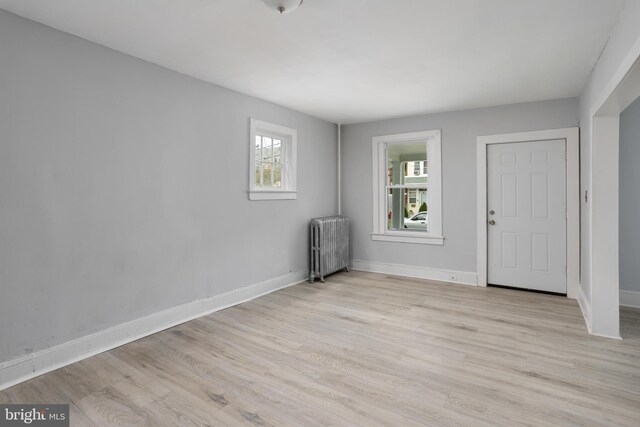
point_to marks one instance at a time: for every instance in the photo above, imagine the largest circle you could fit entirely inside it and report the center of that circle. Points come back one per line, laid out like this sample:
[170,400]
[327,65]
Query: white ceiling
[355,60]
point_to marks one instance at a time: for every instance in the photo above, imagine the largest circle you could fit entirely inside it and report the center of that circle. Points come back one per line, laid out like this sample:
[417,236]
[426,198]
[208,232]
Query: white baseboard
[585,307]
[452,276]
[26,367]
[630,298]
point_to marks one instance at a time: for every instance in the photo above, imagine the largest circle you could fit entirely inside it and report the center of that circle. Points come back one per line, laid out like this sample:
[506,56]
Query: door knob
[492,222]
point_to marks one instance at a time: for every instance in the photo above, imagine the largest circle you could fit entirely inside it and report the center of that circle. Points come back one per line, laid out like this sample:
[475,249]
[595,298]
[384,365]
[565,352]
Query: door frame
[571,136]
[600,298]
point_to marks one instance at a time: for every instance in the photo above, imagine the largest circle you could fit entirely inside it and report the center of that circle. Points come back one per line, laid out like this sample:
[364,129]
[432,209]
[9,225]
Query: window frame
[413,191]
[288,152]
[433,141]
[419,171]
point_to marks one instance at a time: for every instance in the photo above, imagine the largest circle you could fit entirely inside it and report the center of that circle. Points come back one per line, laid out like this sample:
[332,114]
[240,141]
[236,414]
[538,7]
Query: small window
[407,184]
[268,165]
[273,162]
[413,197]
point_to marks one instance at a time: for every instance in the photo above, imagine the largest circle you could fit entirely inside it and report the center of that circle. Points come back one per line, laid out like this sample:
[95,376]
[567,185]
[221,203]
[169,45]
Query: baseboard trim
[611,337]
[585,307]
[630,298]
[451,276]
[24,368]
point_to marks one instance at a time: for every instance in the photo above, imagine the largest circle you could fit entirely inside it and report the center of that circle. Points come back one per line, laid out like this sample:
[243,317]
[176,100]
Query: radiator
[328,246]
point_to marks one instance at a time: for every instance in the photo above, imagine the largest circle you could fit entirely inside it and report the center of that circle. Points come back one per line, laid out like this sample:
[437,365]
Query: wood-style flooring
[362,349]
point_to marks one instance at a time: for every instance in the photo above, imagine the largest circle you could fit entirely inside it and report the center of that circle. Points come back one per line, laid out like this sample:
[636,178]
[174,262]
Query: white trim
[273,195]
[481,215]
[433,140]
[571,136]
[604,204]
[450,276]
[583,302]
[408,237]
[630,298]
[627,64]
[604,335]
[585,307]
[26,367]
[603,263]
[289,138]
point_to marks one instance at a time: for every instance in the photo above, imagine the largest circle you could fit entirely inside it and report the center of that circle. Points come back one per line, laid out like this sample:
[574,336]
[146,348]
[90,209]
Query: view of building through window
[407,207]
[268,162]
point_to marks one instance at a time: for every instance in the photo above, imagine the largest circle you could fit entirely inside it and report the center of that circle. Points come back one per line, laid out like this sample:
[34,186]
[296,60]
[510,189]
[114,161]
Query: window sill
[416,238]
[273,195]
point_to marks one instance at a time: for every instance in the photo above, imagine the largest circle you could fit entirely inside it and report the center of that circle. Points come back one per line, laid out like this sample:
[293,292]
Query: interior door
[527,225]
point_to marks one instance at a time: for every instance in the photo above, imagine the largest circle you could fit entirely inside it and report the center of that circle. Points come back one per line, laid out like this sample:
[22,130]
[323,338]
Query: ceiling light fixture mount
[283,6]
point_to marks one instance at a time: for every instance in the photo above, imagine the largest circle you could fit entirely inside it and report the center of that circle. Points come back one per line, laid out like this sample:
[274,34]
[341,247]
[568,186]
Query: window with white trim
[413,197]
[272,163]
[407,186]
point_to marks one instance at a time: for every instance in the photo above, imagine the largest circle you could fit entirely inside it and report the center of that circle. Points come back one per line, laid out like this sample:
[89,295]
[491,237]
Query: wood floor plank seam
[363,349]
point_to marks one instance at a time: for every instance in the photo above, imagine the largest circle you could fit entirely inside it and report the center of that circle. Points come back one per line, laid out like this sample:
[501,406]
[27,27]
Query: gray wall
[123,189]
[630,197]
[459,132]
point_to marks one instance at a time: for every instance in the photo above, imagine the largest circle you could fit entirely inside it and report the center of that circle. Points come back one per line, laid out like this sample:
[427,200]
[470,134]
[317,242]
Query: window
[272,165]
[407,204]
[268,162]
[413,196]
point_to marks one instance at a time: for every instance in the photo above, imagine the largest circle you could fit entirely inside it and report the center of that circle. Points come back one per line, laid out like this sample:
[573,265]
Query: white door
[527,226]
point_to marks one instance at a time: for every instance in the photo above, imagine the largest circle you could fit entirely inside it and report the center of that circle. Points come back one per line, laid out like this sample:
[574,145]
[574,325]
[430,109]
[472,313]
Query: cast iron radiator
[328,246]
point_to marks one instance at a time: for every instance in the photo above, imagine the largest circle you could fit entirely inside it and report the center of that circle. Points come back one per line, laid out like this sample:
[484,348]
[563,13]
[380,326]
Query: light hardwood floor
[363,349]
